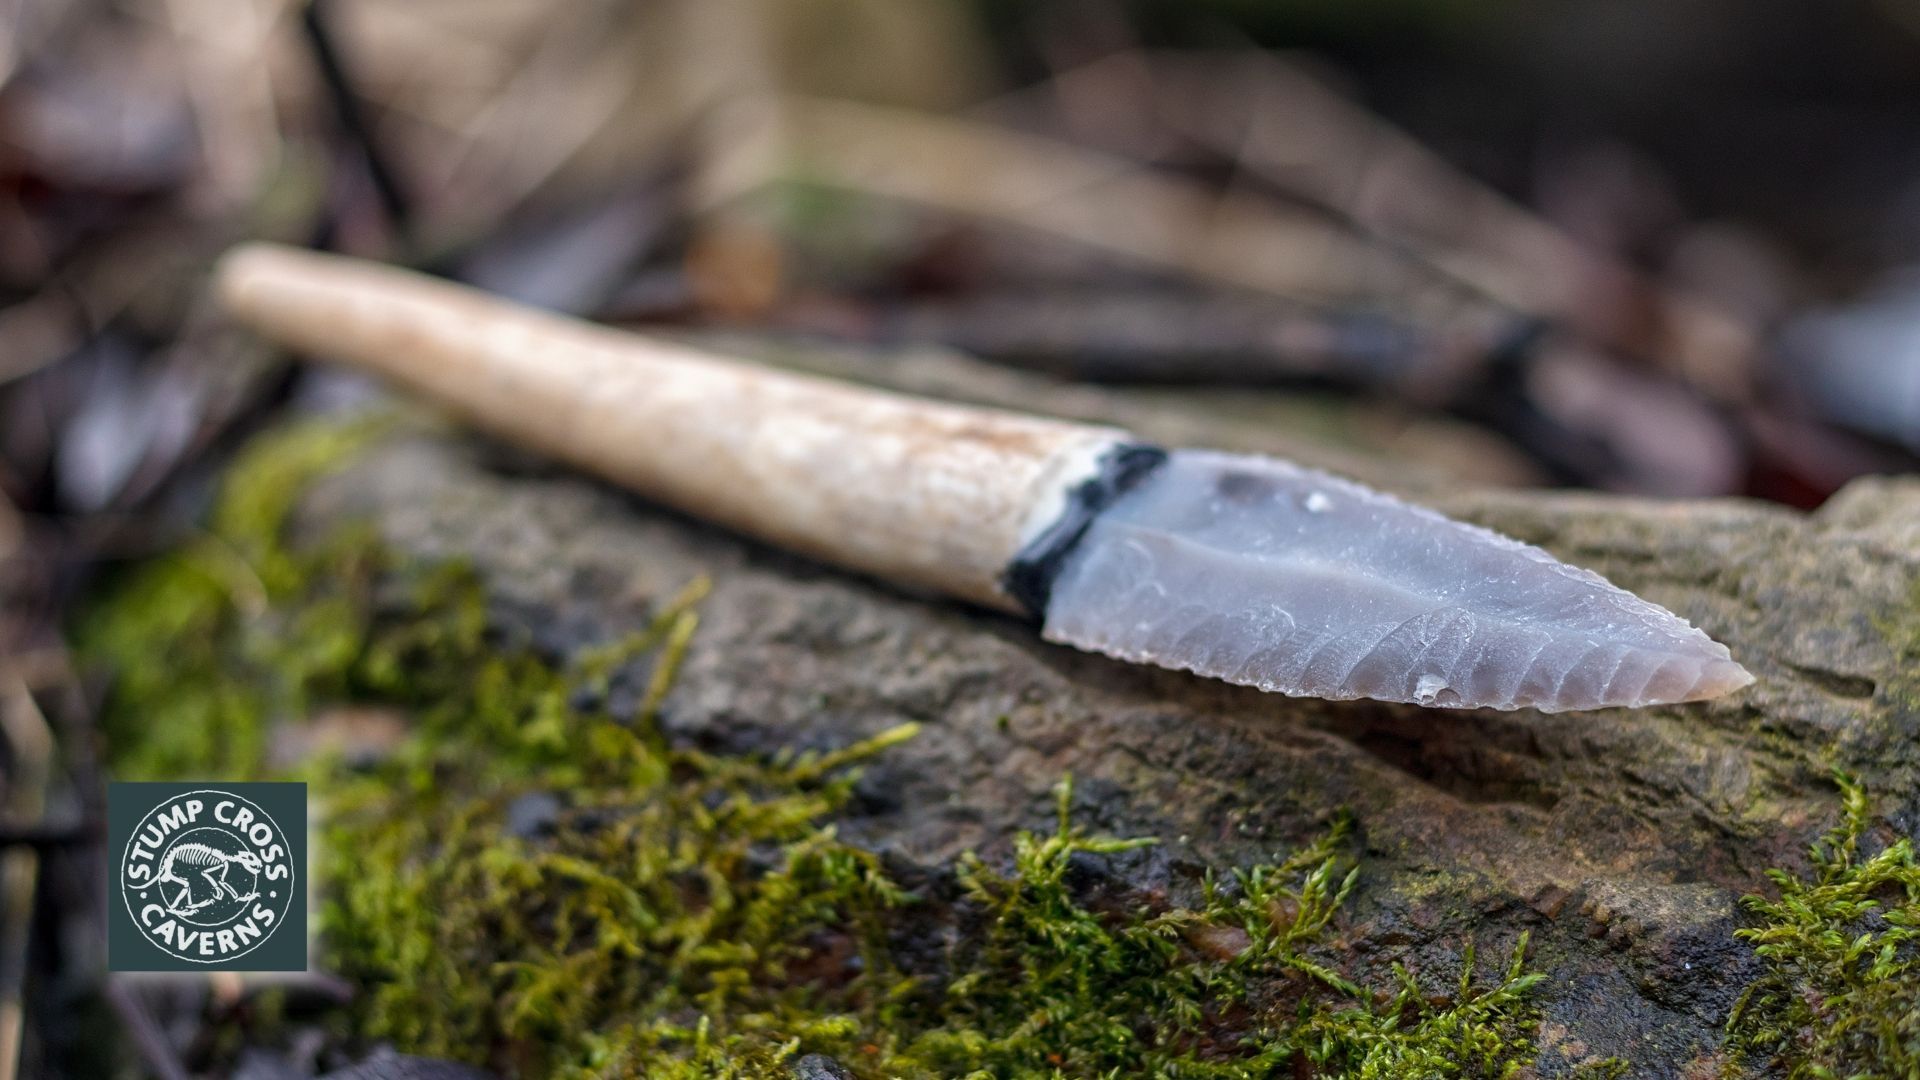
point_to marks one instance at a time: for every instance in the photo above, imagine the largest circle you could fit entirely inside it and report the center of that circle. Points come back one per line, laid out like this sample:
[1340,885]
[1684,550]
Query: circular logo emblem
[207,876]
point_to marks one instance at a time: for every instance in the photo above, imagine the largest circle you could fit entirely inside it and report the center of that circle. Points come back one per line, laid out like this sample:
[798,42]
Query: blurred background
[1657,247]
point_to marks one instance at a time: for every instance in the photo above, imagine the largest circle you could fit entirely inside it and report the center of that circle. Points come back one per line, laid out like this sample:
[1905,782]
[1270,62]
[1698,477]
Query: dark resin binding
[1030,576]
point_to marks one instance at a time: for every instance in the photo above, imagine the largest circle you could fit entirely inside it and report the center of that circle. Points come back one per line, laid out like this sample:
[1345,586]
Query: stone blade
[1267,574]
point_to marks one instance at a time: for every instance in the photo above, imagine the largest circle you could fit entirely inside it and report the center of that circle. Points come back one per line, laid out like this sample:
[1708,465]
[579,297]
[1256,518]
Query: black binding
[1030,576]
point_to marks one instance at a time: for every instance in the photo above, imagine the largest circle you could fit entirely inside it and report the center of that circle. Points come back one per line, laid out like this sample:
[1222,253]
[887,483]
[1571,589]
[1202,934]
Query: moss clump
[1228,990]
[209,644]
[1841,993]
[530,881]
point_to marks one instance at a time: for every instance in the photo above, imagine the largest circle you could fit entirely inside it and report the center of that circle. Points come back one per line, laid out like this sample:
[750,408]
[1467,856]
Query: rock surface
[1621,840]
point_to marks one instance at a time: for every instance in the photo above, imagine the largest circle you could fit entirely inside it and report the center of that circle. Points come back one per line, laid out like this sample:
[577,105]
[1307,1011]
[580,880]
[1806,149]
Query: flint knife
[1247,569]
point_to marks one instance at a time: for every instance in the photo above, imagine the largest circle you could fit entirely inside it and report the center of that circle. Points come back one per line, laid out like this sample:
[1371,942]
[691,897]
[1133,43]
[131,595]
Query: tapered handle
[921,493]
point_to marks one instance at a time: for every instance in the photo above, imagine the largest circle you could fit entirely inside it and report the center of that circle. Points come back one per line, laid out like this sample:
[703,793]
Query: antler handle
[921,493]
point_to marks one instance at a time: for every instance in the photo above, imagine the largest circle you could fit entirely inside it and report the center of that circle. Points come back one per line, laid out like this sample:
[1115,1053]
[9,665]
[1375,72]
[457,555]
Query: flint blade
[1266,574]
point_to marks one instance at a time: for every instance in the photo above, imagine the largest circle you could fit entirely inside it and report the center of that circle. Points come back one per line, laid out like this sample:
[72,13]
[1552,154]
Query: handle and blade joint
[1030,576]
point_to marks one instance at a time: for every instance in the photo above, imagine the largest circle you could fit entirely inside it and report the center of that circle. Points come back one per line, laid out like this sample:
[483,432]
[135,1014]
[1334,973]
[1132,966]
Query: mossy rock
[1619,842]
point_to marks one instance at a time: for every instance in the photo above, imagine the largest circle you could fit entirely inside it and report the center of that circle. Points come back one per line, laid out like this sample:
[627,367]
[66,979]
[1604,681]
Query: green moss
[1228,990]
[674,924]
[1842,953]
[210,644]
[529,881]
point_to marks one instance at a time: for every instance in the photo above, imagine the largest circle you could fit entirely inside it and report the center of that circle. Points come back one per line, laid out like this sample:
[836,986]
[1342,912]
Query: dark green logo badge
[208,876]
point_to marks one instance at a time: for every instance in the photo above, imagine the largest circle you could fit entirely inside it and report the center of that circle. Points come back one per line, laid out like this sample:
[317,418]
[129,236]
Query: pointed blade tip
[1716,676]
[1719,678]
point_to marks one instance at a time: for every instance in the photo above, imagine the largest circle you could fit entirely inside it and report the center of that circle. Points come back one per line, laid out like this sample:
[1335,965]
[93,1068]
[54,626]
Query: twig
[222,51]
[551,108]
[1102,202]
[393,196]
[30,746]
[1295,133]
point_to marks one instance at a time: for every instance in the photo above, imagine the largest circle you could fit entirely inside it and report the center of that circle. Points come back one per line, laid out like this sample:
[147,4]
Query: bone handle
[921,493]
